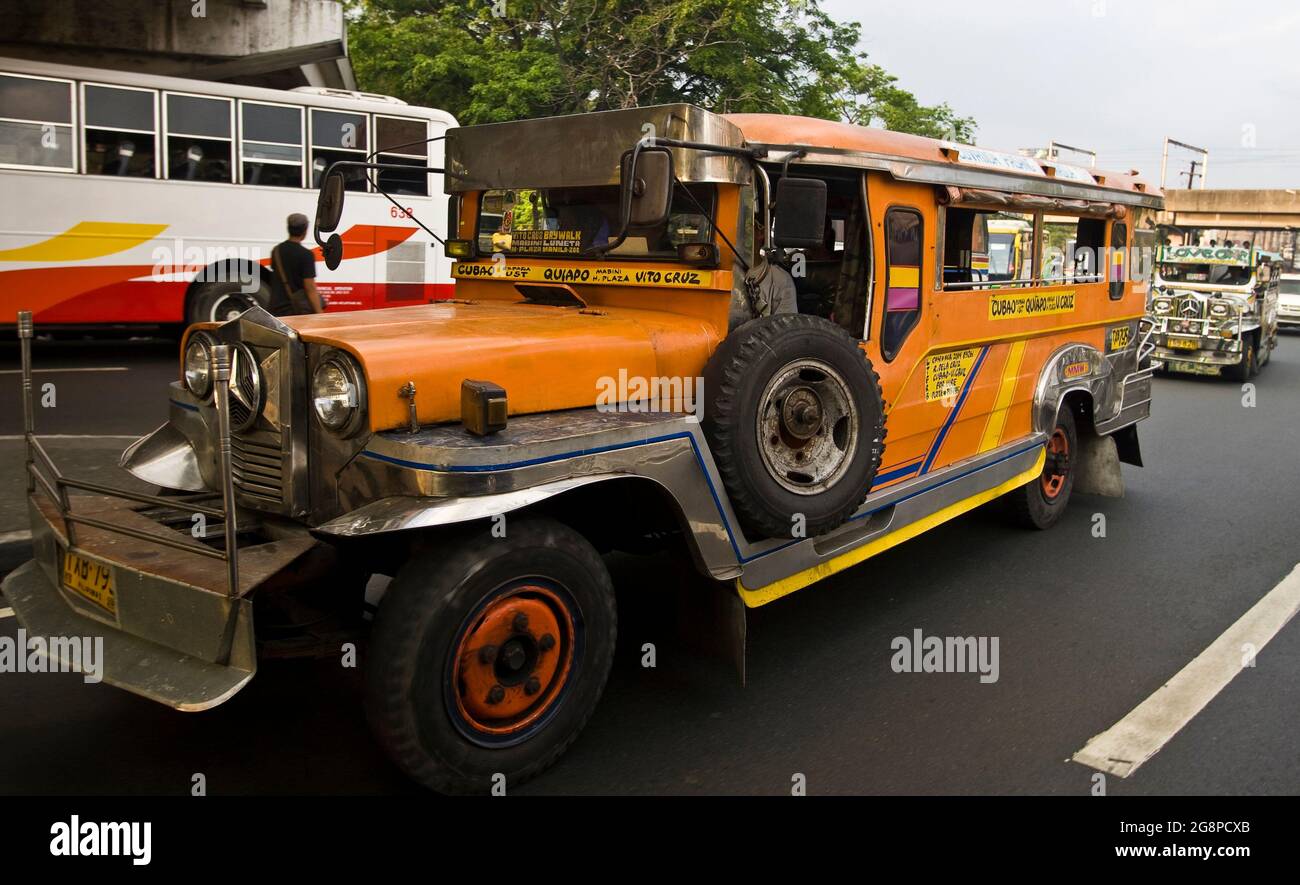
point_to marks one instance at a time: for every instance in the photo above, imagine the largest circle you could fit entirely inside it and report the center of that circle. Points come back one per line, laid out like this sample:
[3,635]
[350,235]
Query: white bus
[130,199]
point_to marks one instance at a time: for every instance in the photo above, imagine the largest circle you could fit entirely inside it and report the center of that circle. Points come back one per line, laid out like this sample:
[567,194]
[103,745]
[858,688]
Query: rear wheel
[222,302]
[1039,504]
[489,654]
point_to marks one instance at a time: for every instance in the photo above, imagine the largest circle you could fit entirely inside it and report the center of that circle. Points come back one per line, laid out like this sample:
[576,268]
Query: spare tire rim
[807,427]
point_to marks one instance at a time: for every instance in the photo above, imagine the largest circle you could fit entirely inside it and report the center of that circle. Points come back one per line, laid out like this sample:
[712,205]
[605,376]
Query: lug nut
[496,694]
[521,622]
[547,642]
[487,654]
[532,686]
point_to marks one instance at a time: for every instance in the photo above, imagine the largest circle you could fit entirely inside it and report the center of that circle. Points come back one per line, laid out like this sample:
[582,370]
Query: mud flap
[1097,471]
[1126,441]
[712,620]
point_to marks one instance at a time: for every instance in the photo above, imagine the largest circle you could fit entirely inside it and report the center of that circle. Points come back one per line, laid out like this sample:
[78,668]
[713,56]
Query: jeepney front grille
[257,468]
[1189,307]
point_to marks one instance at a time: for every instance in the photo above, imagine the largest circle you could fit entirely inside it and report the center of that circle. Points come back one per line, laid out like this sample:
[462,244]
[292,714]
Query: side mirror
[329,205]
[332,251]
[647,190]
[800,207]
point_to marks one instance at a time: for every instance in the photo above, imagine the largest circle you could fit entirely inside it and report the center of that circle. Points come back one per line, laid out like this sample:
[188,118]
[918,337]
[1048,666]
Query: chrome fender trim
[1055,383]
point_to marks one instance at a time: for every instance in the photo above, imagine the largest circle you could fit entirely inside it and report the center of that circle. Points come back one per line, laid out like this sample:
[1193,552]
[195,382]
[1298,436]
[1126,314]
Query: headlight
[1219,309]
[198,364]
[337,395]
[1162,305]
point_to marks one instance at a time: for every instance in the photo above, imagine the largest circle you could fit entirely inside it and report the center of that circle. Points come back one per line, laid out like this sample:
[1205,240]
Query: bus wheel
[489,654]
[795,422]
[221,302]
[1039,504]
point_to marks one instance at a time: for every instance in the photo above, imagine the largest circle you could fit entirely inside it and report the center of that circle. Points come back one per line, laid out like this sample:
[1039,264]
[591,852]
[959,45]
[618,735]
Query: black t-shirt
[297,264]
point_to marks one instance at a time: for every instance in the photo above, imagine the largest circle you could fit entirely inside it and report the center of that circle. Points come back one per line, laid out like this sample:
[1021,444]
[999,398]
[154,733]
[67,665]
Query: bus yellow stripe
[85,240]
[1006,391]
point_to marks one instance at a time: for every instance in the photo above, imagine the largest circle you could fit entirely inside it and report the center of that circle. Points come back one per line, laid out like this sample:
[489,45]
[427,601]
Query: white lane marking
[6,613]
[81,369]
[1141,734]
[15,537]
[12,437]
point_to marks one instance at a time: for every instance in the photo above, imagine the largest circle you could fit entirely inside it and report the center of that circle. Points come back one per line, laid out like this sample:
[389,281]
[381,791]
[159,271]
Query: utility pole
[1191,175]
[1204,162]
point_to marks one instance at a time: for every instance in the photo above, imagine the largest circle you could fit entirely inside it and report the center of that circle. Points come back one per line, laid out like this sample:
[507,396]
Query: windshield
[1289,287]
[1214,274]
[565,222]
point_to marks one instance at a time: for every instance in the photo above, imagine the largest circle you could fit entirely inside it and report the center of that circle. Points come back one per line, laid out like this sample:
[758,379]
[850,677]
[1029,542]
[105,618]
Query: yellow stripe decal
[1002,405]
[786,586]
[85,240]
[902,277]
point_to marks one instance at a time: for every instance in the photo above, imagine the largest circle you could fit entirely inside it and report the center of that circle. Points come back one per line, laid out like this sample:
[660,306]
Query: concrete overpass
[275,43]
[1272,217]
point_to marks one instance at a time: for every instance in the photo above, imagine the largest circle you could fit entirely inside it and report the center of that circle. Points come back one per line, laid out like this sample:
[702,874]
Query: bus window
[402,142]
[36,123]
[199,138]
[335,136]
[120,131]
[903,236]
[965,248]
[270,145]
[1058,249]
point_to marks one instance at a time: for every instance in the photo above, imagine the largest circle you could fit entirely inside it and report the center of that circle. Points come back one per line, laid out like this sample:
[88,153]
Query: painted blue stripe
[185,406]
[713,491]
[956,409]
[899,473]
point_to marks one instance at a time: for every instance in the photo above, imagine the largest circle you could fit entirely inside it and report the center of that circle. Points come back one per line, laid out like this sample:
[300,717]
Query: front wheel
[489,654]
[1248,367]
[1039,504]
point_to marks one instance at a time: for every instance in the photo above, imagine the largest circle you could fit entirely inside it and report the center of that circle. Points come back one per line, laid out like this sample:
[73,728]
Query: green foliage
[547,57]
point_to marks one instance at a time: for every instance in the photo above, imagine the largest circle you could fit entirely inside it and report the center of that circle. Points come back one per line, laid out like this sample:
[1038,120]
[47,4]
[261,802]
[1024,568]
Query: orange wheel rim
[1057,466]
[513,660]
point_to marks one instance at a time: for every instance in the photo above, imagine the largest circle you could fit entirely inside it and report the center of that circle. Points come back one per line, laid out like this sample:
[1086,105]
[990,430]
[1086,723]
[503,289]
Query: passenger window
[1059,250]
[270,146]
[965,248]
[1011,248]
[36,123]
[120,131]
[1089,250]
[1118,259]
[903,243]
[199,142]
[402,142]
[338,136]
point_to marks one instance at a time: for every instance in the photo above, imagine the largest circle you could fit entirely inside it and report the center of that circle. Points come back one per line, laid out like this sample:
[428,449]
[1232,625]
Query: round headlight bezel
[204,341]
[1220,310]
[351,372]
[1162,305]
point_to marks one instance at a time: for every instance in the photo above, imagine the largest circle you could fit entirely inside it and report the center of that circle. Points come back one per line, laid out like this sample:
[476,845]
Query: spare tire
[795,422]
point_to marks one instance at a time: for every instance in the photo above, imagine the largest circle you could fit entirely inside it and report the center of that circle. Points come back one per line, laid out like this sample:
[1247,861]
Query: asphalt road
[1088,628]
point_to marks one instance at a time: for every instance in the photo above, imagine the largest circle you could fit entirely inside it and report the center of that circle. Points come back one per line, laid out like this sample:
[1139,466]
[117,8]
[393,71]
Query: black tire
[1031,506]
[1248,367]
[738,376]
[219,302]
[444,594]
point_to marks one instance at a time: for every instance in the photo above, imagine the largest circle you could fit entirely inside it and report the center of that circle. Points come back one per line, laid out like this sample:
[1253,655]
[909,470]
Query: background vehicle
[133,199]
[1288,301]
[484,452]
[1215,309]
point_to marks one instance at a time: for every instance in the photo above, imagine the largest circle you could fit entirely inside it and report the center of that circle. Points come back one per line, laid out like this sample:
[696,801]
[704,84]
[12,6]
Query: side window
[36,123]
[904,236]
[402,142]
[121,132]
[965,248]
[1090,251]
[1118,259]
[1059,252]
[336,135]
[270,146]
[1011,248]
[199,139]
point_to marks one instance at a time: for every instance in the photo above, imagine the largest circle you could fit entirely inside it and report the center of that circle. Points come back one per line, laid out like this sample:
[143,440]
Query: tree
[495,60]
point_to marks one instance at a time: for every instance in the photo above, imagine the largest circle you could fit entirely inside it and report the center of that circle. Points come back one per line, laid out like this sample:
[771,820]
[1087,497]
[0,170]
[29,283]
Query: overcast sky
[1115,76]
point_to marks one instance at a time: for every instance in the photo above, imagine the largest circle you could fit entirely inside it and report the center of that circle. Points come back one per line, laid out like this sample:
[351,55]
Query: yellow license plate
[91,580]
[1184,344]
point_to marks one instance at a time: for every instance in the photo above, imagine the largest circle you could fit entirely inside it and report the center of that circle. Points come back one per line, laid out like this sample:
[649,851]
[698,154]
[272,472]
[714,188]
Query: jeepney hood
[546,357]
